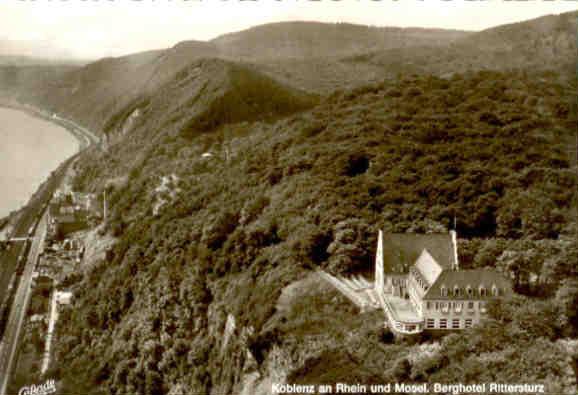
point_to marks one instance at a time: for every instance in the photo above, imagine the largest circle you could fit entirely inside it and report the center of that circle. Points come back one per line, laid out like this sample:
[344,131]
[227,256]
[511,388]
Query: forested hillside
[232,175]
[276,199]
[306,40]
[206,94]
[546,43]
[94,93]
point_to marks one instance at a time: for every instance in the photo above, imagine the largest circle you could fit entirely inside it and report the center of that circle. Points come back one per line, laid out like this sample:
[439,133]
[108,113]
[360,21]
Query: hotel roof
[468,278]
[401,250]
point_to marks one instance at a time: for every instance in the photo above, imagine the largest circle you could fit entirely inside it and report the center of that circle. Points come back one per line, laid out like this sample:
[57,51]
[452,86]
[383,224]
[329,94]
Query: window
[482,307]
[443,323]
[495,291]
[482,291]
[468,323]
[427,305]
[430,323]
[456,291]
[469,291]
[458,307]
[437,306]
[456,324]
[470,305]
[444,291]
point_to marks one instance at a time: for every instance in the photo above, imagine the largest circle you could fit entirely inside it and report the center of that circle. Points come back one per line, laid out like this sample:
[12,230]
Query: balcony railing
[404,327]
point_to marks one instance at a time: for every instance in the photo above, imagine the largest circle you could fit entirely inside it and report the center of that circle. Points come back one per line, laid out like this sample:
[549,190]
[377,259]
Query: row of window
[469,291]
[443,323]
[406,327]
[395,280]
[455,306]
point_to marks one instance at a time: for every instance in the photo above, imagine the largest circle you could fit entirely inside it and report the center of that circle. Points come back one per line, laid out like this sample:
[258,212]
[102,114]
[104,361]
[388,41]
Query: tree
[154,383]
[400,371]
[561,265]
[310,245]
[523,263]
[219,229]
[530,213]
[490,251]
[349,248]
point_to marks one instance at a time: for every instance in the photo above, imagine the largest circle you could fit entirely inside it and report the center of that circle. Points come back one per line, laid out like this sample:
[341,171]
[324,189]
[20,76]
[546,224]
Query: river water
[30,149]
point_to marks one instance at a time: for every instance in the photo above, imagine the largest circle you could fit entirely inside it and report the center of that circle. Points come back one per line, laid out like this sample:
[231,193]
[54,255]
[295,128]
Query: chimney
[454,237]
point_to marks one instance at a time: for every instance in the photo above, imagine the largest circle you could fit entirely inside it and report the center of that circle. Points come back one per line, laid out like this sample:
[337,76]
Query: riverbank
[83,137]
[20,221]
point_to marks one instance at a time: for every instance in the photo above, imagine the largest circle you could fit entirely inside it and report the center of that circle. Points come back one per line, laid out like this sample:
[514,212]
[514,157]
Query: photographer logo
[49,387]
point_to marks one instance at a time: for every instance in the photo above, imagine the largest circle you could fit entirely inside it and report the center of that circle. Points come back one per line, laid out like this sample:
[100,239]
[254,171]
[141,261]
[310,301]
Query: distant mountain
[34,52]
[544,43]
[93,93]
[32,80]
[32,61]
[311,56]
[314,40]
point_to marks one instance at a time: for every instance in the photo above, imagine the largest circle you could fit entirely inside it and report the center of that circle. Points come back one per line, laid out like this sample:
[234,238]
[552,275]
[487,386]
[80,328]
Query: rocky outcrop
[165,193]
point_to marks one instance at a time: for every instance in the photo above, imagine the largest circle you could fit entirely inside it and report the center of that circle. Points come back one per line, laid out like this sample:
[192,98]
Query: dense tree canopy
[311,190]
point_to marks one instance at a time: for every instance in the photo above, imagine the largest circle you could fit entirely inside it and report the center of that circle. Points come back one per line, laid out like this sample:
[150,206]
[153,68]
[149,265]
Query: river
[30,149]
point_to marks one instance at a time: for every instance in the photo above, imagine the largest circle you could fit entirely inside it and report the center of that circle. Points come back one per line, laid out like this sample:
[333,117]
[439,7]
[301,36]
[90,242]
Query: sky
[90,29]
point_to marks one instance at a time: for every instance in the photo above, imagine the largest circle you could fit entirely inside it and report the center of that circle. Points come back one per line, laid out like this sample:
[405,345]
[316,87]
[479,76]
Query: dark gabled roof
[473,278]
[401,250]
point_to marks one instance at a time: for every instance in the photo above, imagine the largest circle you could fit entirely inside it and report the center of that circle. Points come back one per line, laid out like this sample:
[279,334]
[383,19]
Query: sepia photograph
[263,197]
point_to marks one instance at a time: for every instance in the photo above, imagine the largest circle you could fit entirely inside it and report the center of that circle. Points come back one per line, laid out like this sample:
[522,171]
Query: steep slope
[203,96]
[310,191]
[95,92]
[176,58]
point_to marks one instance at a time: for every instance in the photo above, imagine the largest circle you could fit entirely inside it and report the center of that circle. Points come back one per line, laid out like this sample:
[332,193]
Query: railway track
[13,261]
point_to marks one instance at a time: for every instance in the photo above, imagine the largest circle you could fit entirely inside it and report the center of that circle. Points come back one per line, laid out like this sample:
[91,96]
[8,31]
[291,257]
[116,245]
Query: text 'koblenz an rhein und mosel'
[410,388]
